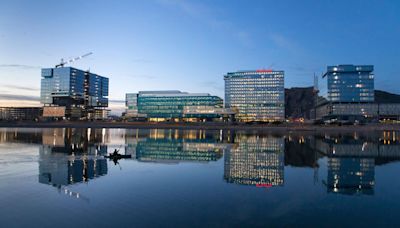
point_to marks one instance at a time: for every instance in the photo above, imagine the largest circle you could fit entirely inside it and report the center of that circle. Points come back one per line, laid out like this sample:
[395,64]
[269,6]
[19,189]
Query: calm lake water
[194,178]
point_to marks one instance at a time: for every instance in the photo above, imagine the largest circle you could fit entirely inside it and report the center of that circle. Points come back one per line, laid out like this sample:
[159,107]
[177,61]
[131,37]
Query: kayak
[118,156]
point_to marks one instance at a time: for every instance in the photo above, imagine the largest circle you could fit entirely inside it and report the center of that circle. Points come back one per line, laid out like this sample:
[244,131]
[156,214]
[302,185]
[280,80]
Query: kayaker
[115,152]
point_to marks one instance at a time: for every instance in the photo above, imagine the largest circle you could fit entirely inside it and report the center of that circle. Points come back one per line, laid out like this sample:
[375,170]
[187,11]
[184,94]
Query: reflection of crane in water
[72,194]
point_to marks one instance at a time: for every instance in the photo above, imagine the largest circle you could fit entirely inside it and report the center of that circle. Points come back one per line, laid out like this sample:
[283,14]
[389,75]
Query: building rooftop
[349,68]
[254,72]
[170,93]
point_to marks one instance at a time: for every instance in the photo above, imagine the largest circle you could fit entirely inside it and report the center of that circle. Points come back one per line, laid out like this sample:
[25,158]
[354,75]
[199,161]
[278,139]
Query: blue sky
[190,45]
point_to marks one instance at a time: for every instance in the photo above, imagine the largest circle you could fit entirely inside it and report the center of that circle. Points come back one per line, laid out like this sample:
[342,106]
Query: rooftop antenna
[62,63]
[315,94]
[315,83]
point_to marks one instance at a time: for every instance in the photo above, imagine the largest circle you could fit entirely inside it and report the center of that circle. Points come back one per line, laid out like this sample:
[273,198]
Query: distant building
[175,105]
[347,94]
[20,113]
[82,93]
[131,105]
[350,83]
[257,95]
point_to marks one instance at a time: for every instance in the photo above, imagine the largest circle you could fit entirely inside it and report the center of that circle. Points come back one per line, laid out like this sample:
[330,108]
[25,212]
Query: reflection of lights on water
[89,131]
[364,145]
[263,185]
[72,194]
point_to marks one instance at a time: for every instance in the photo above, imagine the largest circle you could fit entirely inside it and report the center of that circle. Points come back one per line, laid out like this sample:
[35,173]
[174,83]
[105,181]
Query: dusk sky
[190,45]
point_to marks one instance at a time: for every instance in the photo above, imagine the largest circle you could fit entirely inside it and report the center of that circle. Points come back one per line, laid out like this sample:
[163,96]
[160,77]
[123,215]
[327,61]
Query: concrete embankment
[204,126]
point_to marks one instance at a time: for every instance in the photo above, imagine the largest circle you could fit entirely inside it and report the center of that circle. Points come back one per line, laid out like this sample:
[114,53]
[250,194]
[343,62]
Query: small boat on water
[117,156]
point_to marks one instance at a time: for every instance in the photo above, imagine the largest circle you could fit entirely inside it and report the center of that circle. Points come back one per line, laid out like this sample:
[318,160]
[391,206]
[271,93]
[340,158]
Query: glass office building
[20,113]
[348,83]
[74,89]
[161,105]
[347,91]
[131,105]
[96,90]
[257,95]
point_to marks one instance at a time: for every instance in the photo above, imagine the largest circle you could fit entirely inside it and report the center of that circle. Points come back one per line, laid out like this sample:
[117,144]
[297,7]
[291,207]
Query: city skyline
[158,45]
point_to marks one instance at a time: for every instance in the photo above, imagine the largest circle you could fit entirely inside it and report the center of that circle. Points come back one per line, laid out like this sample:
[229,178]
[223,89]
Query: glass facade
[348,83]
[20,113]
[70,87]
[131,104]
[97,90]
[257,95]
[171,104]
[61,82]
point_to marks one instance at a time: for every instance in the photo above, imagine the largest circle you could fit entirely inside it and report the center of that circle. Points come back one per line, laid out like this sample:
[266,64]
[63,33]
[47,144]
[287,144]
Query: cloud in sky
[19,97]
[117,101]
[19,66]
[11,100]
[26,88]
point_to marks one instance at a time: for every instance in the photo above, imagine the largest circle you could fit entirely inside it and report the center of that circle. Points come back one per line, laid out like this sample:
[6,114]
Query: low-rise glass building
[20,113]
[174,105]
[257,95]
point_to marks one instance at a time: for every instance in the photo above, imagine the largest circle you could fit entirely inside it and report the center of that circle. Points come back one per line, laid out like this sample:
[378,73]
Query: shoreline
[203,126]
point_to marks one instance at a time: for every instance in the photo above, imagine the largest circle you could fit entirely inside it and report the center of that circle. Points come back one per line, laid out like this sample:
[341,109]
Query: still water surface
[182,178]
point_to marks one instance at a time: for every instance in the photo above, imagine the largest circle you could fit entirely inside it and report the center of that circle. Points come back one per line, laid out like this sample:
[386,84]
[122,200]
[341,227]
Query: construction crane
[62,63]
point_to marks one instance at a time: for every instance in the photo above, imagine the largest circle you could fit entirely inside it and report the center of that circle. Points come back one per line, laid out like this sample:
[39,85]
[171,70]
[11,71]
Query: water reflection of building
[31,136]
[352,160]
[351,175]
[76,140]
[299,153]
[60,169]
[159,145]
[69,156]
[255,160]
